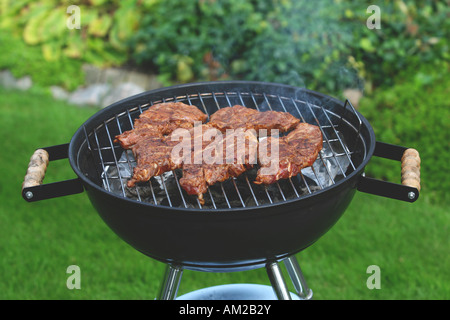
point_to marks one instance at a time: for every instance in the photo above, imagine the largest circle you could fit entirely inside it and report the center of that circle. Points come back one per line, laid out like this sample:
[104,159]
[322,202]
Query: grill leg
[171,282]
[296,275]
[277,280]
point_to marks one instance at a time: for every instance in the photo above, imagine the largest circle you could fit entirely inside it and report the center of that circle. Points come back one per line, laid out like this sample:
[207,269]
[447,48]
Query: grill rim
[79,141]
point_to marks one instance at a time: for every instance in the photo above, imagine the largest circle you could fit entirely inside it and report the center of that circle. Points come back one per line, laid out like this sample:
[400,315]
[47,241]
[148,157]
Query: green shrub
[281,41]
[414,113]
[54,52]
[412,33]
[105,27]
[323,45]
[22,59]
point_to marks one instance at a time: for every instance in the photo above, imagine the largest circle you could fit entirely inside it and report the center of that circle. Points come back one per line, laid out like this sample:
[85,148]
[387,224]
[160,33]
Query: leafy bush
[280,41]
[37,32]
[105,27]
[22,59]
[414,113]
[324,45]
[412,33]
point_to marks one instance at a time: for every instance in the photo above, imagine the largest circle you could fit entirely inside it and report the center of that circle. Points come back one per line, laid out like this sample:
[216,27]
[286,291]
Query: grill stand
[297,278]
[173,273]
[171,282]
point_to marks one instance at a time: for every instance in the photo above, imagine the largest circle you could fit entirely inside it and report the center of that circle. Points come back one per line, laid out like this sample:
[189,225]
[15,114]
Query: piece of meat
[298,150]
[269,120]
[231,117]
[242,117]
[153,157]
[216,160]
[129,138]
[177,112]
[193,181]
[148,139]
[161,119]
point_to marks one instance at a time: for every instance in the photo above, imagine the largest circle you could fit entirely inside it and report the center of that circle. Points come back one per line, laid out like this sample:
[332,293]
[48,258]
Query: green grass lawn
[38,241]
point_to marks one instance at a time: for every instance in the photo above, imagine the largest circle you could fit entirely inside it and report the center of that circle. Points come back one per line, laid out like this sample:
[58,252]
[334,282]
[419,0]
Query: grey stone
[114,76]
[139,79]
[24,83]
[153,83]
[92,74]
[7,79]
[59,93]
[122,91]
[91,95]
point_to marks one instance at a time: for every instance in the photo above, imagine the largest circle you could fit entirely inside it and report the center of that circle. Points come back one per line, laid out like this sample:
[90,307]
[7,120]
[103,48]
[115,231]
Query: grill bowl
[232,237]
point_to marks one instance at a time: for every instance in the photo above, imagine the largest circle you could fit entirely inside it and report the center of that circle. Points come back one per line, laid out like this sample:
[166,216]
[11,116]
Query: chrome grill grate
[343,150]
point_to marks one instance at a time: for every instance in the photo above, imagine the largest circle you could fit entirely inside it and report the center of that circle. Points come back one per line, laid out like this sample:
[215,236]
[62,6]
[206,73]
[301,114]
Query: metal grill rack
[115,165]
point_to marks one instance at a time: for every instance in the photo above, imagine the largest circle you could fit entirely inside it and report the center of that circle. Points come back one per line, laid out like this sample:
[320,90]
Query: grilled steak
[242,117]
[148,139]
[153,157]
[298,150]
[161,119]
[227,156]
[231,117]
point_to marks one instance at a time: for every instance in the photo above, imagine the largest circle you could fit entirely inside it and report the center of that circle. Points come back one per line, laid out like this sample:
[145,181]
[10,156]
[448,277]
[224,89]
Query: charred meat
[216,160]
[153,157]
[161,119]
[148,139]
[241,117]
[298,150]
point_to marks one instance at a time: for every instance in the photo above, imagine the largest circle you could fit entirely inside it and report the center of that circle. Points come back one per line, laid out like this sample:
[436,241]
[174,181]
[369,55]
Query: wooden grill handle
[411,168]
[409,188]
[36,169]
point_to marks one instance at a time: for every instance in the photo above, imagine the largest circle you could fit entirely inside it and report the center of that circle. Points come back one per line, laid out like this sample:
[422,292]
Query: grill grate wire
[106,153]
